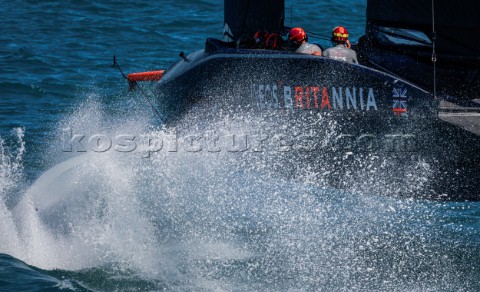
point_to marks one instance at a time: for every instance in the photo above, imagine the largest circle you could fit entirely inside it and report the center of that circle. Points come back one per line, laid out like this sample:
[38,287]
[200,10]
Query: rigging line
[434,55]
[151,104]
[132,84]
[115,64]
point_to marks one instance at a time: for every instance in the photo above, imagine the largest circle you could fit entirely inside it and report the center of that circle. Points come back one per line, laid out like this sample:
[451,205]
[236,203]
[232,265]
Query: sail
[244,17]
[399,38]
[457,24]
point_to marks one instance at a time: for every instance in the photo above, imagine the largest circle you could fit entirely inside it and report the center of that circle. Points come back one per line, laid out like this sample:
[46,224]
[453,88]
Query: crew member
[275,42]
[260,39]
[298,41]
[341,46]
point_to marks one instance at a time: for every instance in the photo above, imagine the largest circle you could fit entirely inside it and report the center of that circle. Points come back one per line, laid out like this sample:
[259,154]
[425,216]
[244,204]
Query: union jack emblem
[400,92]
[400,101]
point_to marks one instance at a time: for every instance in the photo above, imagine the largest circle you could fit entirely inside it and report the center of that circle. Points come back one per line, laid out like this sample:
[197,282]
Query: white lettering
[337,98]
[287,96]
[275,97]
[362,103]
[68,139]
[261,96]
[171,142]
[190,143]
[351,99]
[125,143]
[268,98]
[238,144]
[211,140]
[99,143]
[157,145]
[371,100]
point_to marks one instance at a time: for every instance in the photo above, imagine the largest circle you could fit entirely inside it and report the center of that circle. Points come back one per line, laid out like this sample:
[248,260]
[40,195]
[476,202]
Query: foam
[213,219]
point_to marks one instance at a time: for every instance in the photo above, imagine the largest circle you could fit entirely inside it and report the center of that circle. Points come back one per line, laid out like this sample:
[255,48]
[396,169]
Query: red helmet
[340,34]
[275,42]
[297,34]
[260,38]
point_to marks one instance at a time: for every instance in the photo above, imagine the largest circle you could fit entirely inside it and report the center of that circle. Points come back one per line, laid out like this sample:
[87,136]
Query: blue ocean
[132,222]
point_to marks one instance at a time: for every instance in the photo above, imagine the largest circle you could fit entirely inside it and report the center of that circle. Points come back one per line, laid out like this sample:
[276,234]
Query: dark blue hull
[350,126]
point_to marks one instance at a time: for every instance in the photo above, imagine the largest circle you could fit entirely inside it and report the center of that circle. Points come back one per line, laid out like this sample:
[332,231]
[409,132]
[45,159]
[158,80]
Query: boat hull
[322,121]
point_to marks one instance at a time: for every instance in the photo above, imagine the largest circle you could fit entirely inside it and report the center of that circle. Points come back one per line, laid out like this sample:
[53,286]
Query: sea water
[75,217]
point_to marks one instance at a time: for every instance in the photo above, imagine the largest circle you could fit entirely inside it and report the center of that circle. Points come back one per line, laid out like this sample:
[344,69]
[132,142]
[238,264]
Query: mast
[242,18]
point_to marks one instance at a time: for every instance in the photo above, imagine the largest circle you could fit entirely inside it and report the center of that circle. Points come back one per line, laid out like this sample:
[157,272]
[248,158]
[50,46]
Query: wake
[217,221]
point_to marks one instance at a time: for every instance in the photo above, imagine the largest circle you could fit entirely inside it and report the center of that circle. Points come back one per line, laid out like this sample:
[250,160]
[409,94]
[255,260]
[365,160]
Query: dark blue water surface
[185,223]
